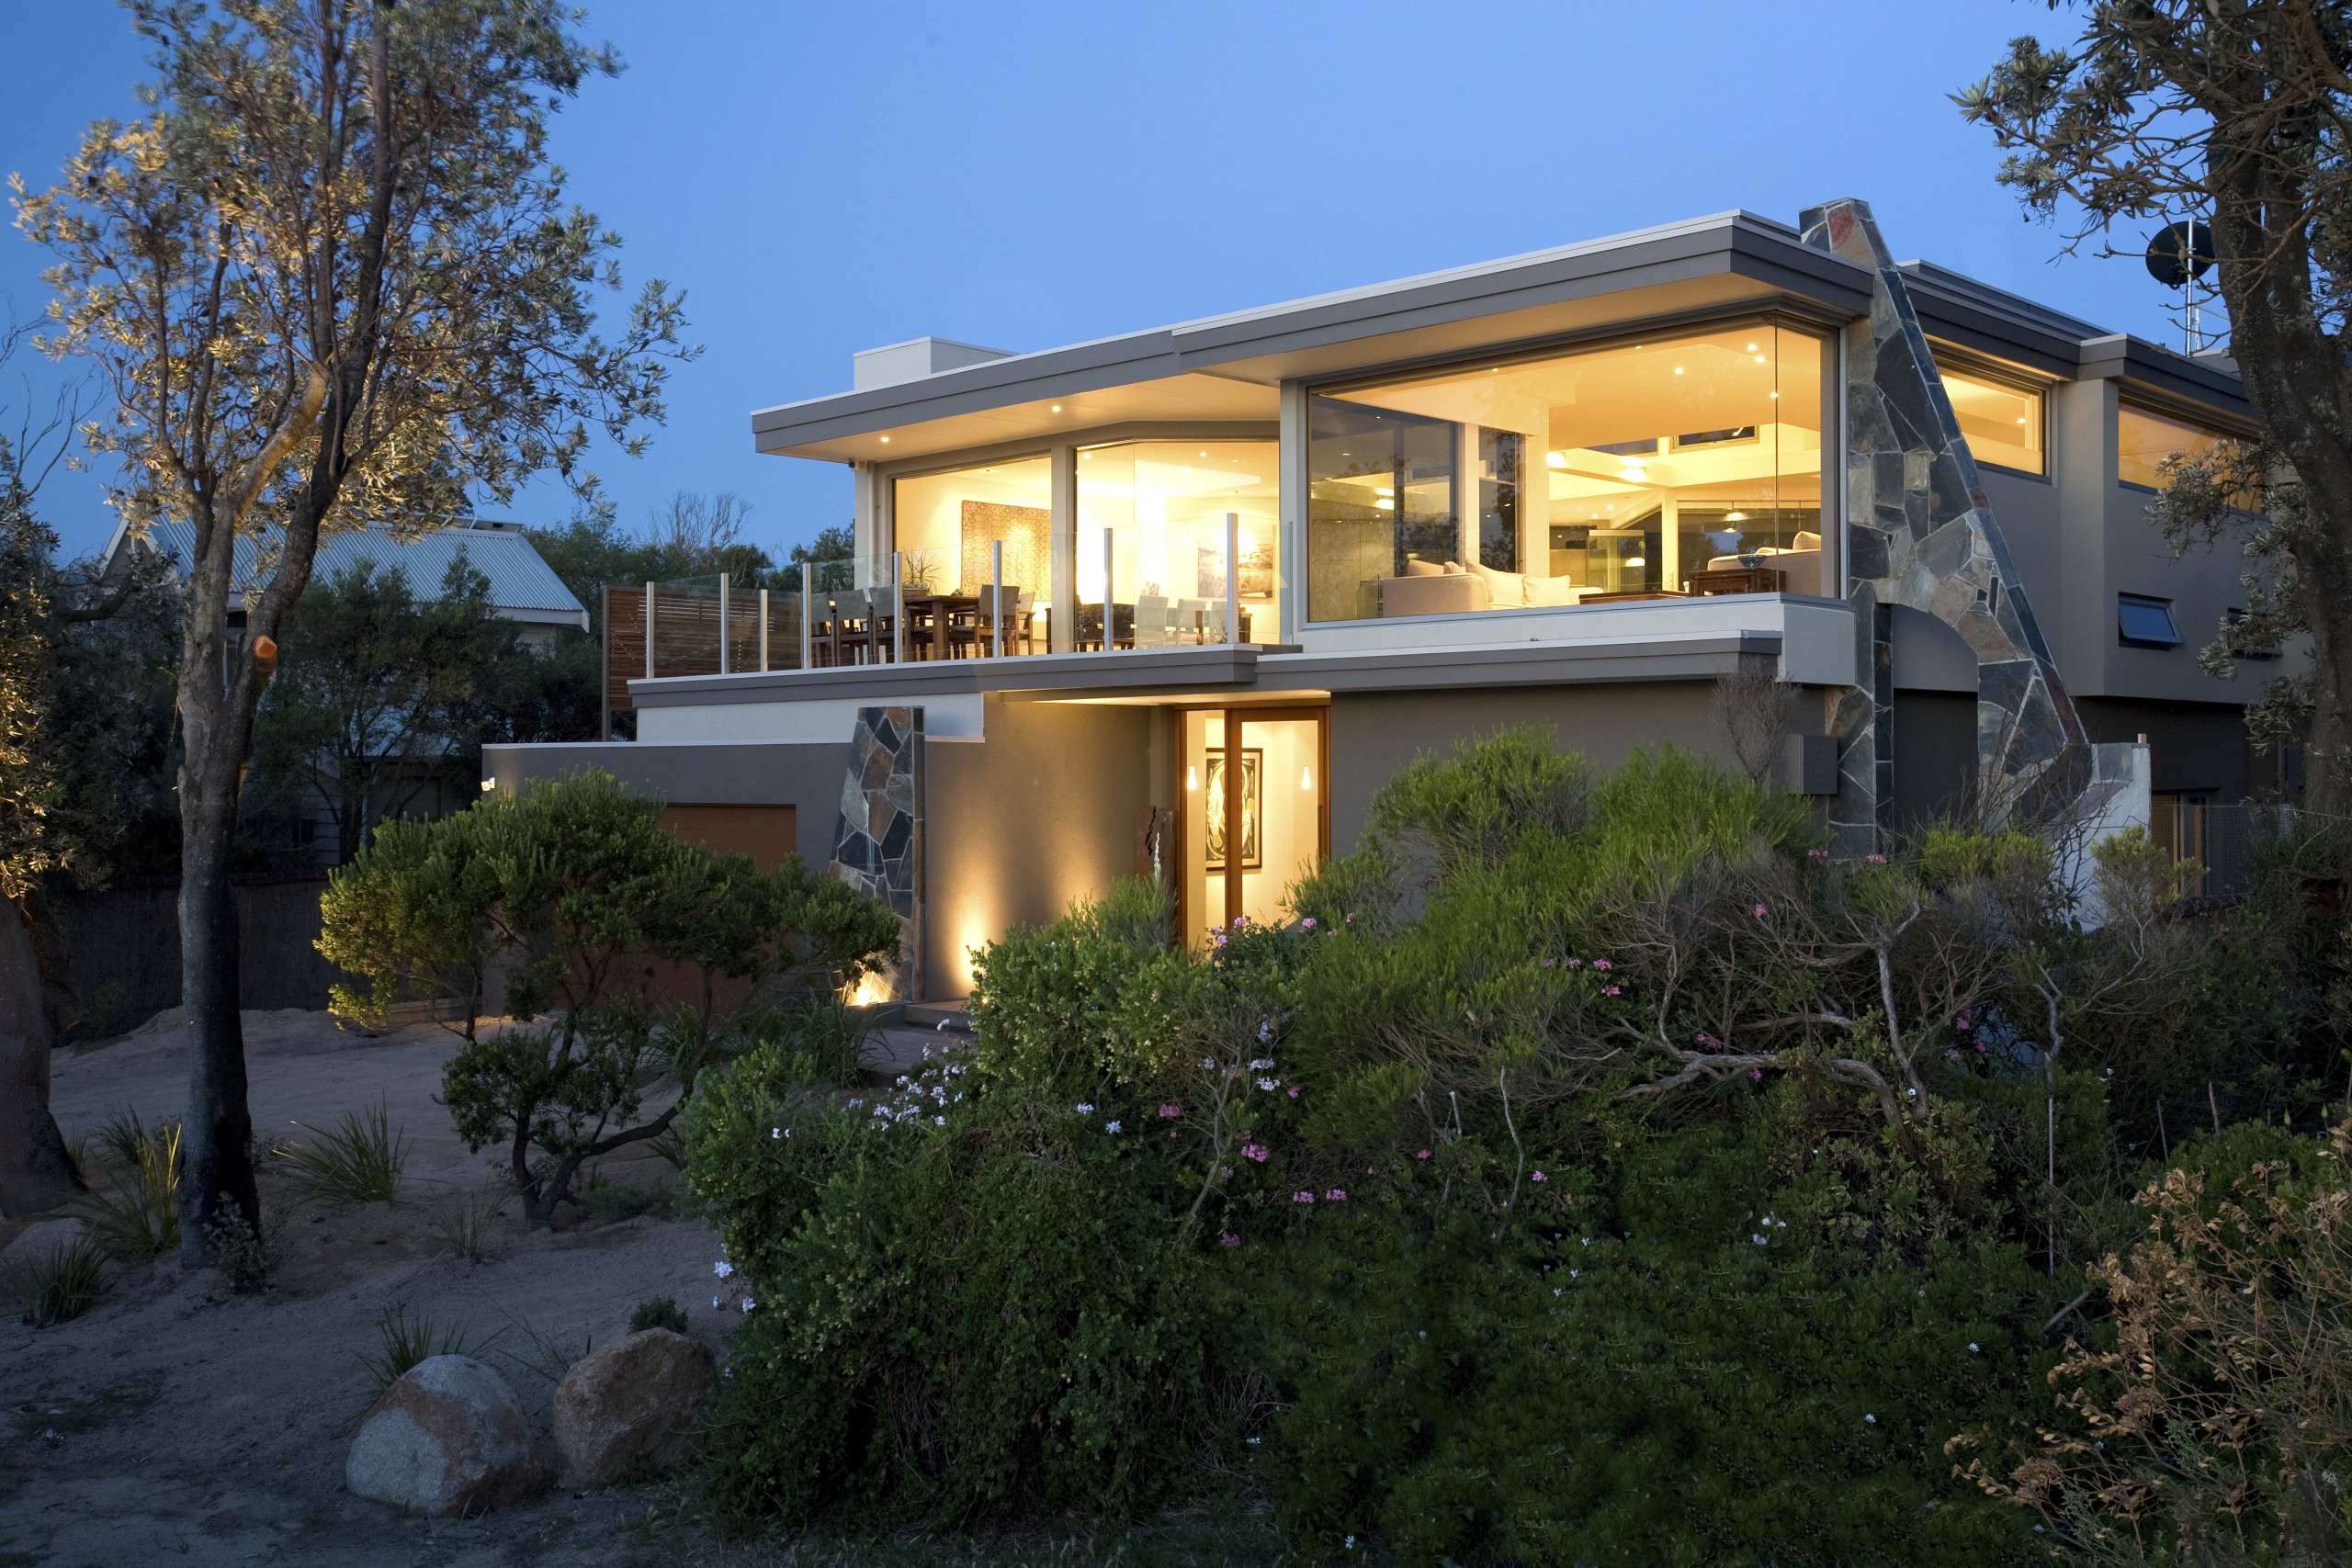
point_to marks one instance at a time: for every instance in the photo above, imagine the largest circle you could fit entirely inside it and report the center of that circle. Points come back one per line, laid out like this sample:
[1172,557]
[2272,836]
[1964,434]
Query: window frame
[2126,638]
[1822,331]
[2009,377]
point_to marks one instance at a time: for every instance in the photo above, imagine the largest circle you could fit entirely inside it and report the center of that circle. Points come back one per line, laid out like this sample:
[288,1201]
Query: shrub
[248,1254]
[608,1201]
[360,1161]
[403,1339]
[465,1219]
[662,1312]
[65,1284]
[595,912]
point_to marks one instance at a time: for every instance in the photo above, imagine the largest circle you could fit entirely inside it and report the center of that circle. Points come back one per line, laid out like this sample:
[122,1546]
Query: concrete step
[952,1017]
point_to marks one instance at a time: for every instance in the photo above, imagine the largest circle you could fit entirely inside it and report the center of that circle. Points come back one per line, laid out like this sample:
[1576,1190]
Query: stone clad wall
[1919,532]
[879,837]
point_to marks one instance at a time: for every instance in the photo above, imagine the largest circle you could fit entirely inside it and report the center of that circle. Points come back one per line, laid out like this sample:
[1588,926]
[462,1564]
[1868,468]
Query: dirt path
[176,1422]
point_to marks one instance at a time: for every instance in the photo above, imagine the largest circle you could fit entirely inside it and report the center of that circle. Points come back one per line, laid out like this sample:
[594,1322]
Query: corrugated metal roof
[521,586]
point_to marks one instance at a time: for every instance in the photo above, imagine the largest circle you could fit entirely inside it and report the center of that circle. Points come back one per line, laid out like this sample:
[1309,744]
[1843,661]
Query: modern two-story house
[1179,602]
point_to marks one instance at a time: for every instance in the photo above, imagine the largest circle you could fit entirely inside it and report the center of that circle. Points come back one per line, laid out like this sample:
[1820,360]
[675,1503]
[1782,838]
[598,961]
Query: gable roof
[523,587]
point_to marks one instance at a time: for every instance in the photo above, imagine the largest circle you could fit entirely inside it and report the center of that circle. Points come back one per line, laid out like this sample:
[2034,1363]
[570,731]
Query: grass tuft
[139,1212]
[65,1284]
[359,1161]
[403,1339]
[465,1219]
[608,1202]
[661,1312]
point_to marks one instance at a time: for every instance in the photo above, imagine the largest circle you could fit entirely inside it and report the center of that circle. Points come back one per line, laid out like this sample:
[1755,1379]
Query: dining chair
[835,613]
[1155,620]
[973,631]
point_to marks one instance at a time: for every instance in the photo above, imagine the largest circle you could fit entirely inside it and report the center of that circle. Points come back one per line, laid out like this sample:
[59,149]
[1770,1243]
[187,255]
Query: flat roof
[1229,367]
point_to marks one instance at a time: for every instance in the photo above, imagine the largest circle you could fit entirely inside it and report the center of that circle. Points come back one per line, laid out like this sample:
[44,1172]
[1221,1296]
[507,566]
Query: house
[522,587]
[1179,602]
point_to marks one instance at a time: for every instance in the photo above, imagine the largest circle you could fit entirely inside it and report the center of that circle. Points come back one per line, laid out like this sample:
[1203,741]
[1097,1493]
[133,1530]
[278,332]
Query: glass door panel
[1255,813]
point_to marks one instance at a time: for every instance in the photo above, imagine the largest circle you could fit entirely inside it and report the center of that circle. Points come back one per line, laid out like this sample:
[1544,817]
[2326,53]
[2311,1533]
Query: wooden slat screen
[685,635]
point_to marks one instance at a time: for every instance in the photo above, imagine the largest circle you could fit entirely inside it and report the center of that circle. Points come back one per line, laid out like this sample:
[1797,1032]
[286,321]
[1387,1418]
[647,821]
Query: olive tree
[2232,112]
[329,279]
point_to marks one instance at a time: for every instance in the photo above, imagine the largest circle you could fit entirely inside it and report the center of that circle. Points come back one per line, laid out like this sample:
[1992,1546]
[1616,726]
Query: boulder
[449,1437]
[629,1408]
[42,1240]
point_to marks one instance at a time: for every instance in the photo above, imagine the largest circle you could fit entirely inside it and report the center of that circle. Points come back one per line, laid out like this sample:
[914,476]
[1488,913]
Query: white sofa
[1452,589]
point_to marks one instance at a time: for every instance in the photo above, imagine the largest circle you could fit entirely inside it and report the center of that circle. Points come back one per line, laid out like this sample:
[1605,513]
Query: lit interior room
[943,524]
[1162,506]
[1660,470]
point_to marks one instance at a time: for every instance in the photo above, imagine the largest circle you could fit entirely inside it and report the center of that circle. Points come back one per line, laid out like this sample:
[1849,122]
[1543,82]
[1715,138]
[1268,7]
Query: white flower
[1262,1063]
[1085,1108]
[722,1269]
[1871,1419]
[1266,1084]
[749,1303]
[1208,1064]
[1971,1347]
[716,1302]
[1756,1239]
[939,1120]
[1111,1127]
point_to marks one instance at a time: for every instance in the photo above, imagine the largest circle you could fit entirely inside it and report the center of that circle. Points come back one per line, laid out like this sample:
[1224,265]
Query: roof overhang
[1230,367]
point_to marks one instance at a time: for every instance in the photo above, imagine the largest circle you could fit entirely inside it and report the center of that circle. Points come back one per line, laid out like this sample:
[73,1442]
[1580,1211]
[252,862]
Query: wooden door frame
[1237,722]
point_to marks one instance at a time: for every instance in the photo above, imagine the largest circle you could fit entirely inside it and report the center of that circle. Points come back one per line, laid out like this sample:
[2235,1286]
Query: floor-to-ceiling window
[1153,539]
[944,523]
[1683,464]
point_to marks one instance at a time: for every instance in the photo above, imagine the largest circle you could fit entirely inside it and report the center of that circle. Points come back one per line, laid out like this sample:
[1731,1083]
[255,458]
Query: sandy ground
[177,1422]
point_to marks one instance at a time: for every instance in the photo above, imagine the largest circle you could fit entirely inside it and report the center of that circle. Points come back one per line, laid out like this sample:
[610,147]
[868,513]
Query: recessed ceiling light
[1751,348]
[1678,371]
[1057,408]
[886,441]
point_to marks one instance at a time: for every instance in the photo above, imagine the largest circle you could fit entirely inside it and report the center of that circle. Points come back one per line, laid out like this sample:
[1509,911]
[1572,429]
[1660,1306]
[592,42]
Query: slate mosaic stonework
[1920,533]
[877,838]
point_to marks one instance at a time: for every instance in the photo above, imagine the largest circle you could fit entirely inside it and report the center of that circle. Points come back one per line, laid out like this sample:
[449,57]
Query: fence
[122,948]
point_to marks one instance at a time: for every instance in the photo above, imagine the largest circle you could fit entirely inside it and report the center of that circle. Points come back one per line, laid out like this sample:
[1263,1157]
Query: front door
[1253,814]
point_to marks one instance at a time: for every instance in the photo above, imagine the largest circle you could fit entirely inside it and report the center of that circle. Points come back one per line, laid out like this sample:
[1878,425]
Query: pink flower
[1337,1195]
[1873,860]
[1612,990]
[1577,964]
[1602,966]
[1759,911]
[1550,963]
[1303,1198]
[1423,1155]
[1294,1093]
[1951,1055]
[1254,1151]
[1229,1239]
[1241,921]
[1308,924]
[1817,855]
[1756,1075]
[1170,1112]
[1539,1176]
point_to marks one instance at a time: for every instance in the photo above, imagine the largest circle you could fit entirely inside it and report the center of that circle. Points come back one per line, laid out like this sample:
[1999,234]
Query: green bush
[1591,1171]
[661,1312]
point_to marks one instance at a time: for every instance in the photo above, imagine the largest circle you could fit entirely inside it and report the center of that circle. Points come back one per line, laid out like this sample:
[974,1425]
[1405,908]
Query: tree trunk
[36,1170]
[216,1139]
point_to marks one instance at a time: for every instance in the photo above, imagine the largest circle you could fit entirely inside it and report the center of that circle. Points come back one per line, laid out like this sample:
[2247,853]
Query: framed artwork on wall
[1252,812]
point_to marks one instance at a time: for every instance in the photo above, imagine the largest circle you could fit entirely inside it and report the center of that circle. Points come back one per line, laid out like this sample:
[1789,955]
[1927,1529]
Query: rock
[629,1408]
[42,1240]
[448,1437]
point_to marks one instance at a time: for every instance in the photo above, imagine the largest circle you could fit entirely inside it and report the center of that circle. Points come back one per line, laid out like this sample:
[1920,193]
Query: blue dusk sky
[824,178]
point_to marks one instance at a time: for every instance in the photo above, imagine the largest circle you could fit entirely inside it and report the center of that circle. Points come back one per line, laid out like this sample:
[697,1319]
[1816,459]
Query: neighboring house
[1573,489]
[522,587]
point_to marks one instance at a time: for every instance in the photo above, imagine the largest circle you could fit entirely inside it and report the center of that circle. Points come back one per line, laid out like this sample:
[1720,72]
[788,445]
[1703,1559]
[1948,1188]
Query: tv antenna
[2178,254]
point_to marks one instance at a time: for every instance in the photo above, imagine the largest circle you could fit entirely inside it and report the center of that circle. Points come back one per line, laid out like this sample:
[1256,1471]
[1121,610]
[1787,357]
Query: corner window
[2002,420]
[1681,466]
[2145,441]
[2144,623]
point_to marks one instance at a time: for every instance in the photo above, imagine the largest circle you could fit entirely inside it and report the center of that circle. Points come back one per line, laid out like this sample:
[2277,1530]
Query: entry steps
[951,1018]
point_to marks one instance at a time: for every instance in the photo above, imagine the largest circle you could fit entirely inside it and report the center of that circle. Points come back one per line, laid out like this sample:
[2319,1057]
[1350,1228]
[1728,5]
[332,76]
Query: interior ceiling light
[1557,459]
[886,441]
[1751,348]
[1057,408]
[1635,561]
[1678,371]
[1735,517]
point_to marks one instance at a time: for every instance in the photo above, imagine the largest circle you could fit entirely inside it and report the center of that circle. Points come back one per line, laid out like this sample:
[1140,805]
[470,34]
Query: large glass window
[2145,441]
[944,523]
[1162,506]
[2002,420]
[1684,466]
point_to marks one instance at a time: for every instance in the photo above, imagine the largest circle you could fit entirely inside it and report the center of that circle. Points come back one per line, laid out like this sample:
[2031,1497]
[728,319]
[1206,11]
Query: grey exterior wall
[1373,734]
[1935,758]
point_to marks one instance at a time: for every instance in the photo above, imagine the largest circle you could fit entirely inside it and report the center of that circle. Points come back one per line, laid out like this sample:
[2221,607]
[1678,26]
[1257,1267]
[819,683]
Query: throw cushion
[1423,569]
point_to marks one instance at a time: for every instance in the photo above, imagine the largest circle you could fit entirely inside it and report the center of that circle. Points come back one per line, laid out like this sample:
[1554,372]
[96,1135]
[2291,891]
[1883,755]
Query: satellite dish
[2181,252]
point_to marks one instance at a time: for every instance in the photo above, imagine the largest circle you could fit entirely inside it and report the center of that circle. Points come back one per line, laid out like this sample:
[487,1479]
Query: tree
[629,959]
[2233,112]
[688,535]
[380,697]
[330,278]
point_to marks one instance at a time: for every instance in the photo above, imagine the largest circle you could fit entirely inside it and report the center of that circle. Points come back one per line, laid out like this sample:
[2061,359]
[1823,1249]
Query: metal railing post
[1233,576]
[1109,598]
[649,631]
[996,596]
[763,631]
[807,612]
[898,607]
[723,660]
